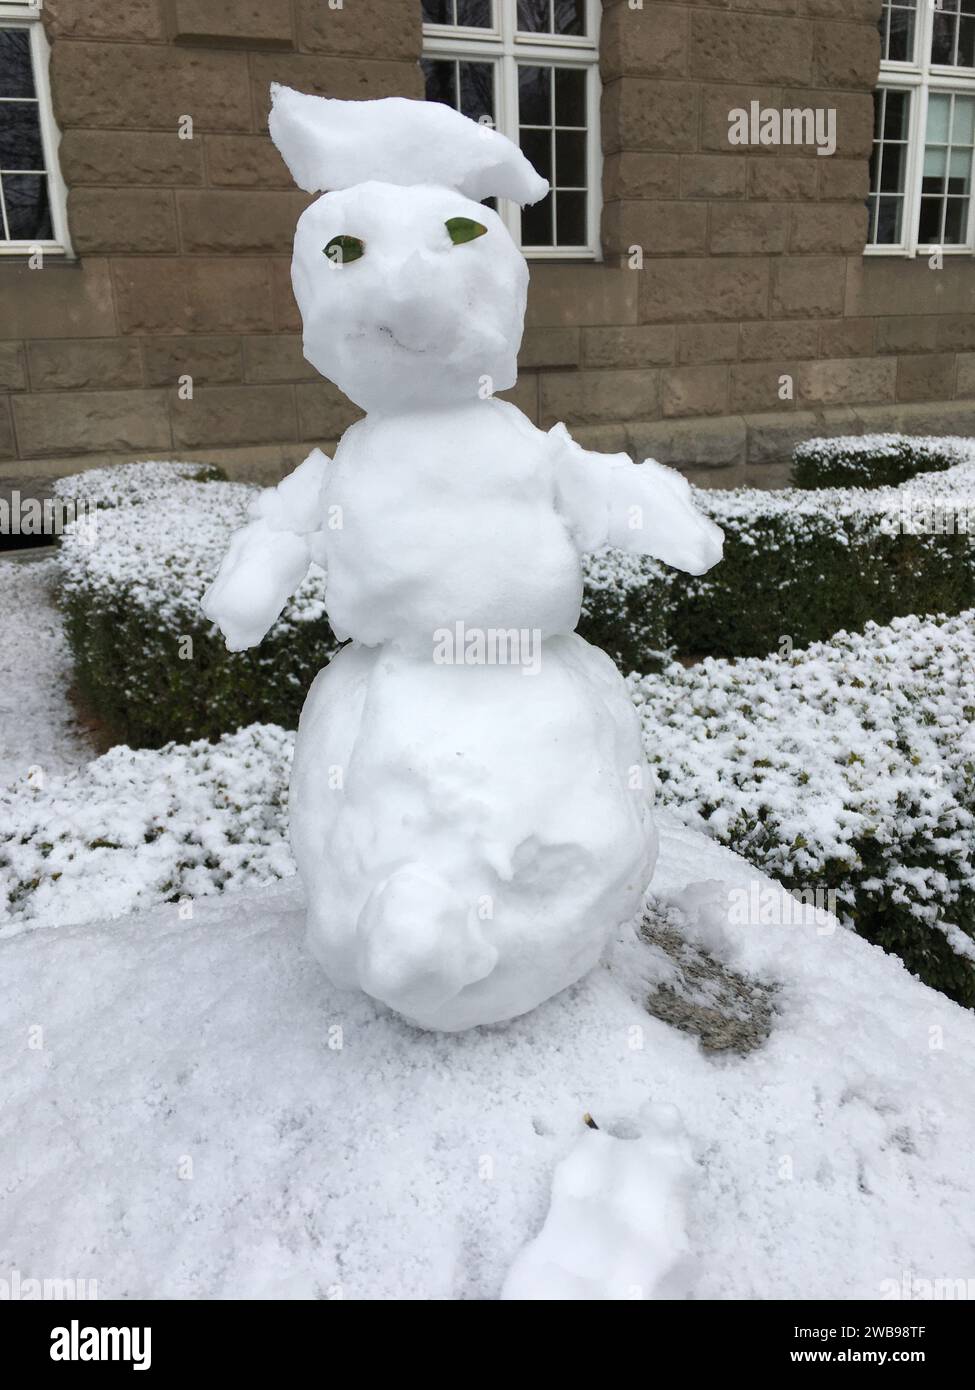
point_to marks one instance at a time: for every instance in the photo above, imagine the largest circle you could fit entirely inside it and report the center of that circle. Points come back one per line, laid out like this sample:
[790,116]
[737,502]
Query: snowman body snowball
[470,807]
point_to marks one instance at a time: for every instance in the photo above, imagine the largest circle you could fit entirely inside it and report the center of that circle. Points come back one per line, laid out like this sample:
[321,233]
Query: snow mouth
[385,331]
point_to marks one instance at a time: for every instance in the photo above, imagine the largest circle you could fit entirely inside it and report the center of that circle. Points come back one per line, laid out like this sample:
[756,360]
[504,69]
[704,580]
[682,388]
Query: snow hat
[329,144]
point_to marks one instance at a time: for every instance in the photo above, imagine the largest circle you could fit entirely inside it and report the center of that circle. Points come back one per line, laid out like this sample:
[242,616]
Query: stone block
[598,397]
[276,358]
[693,391]
[202,295]
[645,345]
[550,347]
[122,220]
[62,300]
[324,412]
[372,28]
[91,422]
[234,415]
[13,371]
[808,287]
[250,23]
[704,290]
[848,381]
[208,360]
[76,363]
[129,157]
[240,223]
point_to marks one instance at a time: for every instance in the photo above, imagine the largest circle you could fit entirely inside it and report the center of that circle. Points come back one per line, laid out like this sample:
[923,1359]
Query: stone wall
[752,264]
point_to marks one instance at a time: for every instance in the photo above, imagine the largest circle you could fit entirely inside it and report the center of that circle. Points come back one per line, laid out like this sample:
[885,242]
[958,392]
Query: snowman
[470,807]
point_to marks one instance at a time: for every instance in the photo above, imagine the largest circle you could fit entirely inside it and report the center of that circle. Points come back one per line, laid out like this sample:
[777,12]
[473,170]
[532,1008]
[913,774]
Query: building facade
[761,224]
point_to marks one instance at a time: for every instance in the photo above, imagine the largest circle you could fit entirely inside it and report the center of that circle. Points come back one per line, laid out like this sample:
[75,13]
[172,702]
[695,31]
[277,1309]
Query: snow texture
[207,1117]
[446,511]
[39,736]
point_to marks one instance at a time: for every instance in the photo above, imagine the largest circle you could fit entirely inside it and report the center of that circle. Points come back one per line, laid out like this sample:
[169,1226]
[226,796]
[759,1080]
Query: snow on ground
[208,1117]
[37,727]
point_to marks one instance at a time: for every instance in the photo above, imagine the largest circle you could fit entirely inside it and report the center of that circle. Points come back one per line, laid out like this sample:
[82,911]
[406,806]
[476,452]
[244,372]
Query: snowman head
[411,290]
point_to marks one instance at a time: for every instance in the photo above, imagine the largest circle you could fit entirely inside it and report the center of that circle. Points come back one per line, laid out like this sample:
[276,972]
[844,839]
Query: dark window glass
[16,75]
[441,80]
[537,145]
[20,136]
[477,90]
[956,221]
[570,16]
[26,206]
[536,223]
[570,218]
[943,38]
[889,223]
[534,95]
[535,16]
[475,14]
[929,231]
[438,12]
[570,96]
[570,158]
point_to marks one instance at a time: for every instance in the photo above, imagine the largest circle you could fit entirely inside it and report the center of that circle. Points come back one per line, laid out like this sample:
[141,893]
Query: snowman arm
[269,557]
[607,499]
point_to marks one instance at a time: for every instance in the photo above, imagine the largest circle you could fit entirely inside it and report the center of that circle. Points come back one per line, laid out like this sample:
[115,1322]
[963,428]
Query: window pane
[888,167]
[534,95]
[535,16]
[963,121]
[570,97]
[929,231]
[939,108]
[896,114]
[570,219]
[438,12]
[953,35]
[551,16]
[28,213]
[956,222]
[441,80]
[477,90]
[20,136]
[570,158]
[897,30]
[570,16]
[16,77]
[943,38]
[890,222]
[536,223]
[475,14]
[537,146]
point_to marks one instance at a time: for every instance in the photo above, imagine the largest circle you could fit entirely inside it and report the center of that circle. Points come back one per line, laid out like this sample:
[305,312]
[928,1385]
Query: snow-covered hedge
[873,460]
[848,767]
[147,661]
[800,565]
[139,827]
[154,669]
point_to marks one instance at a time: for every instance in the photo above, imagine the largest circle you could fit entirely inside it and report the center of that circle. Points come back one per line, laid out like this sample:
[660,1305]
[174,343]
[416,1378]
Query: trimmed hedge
[152,667]
[798,565]
[849,768]
[873,460]
[801,565]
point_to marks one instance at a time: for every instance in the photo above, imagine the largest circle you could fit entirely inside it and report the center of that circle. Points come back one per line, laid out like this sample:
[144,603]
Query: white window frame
[26,14]
[921,78]
[505,47]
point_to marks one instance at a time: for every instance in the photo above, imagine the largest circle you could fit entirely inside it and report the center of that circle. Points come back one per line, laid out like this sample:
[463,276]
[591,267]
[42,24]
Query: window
[531,68]
[32,199]
[924,131]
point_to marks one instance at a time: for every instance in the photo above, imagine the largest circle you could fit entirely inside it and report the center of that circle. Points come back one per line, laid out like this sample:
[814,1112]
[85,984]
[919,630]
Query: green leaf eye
[342,249]
[464,229]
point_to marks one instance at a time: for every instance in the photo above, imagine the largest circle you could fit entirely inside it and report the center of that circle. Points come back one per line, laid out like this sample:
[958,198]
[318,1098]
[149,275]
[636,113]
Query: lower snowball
[468,837]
